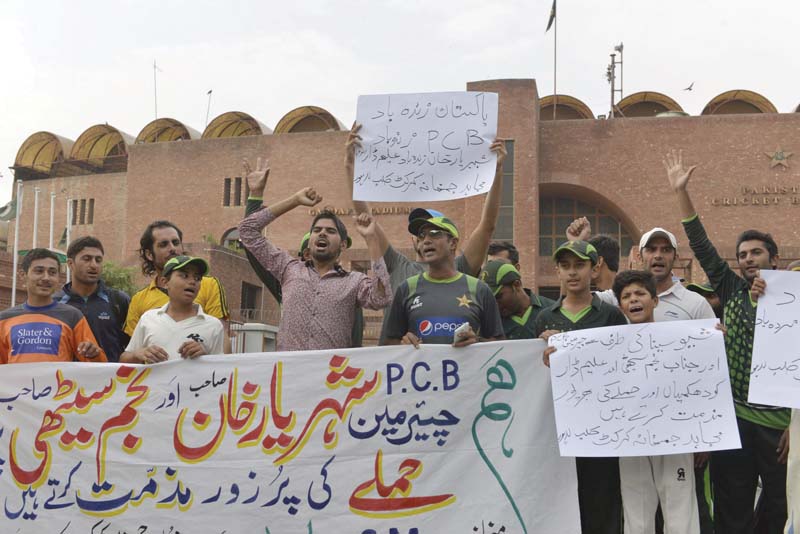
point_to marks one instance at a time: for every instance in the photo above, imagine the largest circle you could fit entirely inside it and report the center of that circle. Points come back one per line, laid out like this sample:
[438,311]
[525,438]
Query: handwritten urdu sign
[425,147]
[366,441]
[775,368]
[643,390]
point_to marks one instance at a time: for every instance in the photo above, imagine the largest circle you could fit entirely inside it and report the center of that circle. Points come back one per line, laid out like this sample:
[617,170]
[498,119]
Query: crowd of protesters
[458,290]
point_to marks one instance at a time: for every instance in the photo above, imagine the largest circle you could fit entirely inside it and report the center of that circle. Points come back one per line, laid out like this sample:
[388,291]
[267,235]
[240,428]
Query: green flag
[552,16]
[62,243]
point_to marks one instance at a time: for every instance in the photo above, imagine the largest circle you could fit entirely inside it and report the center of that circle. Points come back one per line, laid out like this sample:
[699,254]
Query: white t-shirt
[679,304]
[675,304]
[156,327]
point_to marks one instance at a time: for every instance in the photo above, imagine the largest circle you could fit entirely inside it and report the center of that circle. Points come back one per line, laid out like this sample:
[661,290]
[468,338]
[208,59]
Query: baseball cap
[703,288]
[179,262]
[658,232]
[440,222]
[304,243]
[582,249]
[498,273]
[422,213]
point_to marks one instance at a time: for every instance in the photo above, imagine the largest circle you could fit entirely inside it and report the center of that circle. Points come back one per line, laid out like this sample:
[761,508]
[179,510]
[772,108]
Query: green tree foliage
[119,277]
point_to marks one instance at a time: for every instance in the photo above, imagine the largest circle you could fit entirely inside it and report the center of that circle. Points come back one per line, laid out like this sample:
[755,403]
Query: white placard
[643,390]
[425,147]
[775,368]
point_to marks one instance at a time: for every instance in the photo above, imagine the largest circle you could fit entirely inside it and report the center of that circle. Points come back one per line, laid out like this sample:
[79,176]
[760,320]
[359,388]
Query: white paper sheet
[643,390]
[425,147]
[775,369]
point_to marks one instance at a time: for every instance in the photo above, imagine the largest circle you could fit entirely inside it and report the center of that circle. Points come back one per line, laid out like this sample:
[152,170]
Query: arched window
[230,239]
[556,213]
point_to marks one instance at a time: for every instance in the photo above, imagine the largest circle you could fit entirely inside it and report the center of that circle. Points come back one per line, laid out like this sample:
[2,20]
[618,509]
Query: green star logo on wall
[779,157]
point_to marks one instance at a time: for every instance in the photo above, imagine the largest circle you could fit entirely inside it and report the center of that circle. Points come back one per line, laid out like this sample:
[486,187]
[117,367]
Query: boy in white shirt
[647,480]
[179,329]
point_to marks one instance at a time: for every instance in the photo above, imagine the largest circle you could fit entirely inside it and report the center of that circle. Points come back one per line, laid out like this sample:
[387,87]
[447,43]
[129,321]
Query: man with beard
[429,307]
[319,296]
[762,429]
[518,306]
[160,242]
[257,183]
[105,308]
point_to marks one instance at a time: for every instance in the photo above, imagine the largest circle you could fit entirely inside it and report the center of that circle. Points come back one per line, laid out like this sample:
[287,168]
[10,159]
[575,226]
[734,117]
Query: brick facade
[612,164]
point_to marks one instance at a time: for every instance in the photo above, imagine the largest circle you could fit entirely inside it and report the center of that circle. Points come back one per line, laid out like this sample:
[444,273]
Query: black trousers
[599,495]
[734,475]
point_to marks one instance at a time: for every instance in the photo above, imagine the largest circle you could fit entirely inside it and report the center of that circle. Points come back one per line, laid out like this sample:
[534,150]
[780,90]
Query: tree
[119,277]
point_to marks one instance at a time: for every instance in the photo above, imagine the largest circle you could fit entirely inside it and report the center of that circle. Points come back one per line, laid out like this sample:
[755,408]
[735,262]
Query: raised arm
[579,230]
[678,177]
[478,243]
[257,183]
[307,196]
[353,143]
[269,256]
[375,292]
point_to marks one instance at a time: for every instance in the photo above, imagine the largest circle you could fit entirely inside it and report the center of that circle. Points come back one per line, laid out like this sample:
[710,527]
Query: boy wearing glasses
[429,307]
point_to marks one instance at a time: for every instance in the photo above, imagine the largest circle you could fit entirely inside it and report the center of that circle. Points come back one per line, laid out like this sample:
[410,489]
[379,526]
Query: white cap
[658,232]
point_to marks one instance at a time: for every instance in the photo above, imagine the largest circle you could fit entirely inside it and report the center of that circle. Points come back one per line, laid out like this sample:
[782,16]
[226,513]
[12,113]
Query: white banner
[775,368]
[425,147]
[643,390]
[368,441]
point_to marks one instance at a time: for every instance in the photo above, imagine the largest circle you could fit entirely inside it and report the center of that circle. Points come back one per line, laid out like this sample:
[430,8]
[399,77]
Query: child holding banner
[647,480]
[598,478]
[179,329]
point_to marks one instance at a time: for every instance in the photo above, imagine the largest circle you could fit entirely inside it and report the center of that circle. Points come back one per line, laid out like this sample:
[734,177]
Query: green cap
[179,262]
[304,244]
[582,249]
[439,222]
[702,288]
[498,273]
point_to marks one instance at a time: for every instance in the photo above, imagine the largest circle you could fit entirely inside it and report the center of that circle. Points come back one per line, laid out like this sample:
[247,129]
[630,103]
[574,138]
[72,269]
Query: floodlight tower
[611,76]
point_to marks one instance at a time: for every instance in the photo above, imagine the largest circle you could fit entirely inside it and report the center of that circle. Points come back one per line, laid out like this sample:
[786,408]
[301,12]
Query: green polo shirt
[524,327]
[597,315]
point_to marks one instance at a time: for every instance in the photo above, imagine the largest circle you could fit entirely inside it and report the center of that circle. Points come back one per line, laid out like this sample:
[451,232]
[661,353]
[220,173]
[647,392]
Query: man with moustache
[160,242]
[319,296]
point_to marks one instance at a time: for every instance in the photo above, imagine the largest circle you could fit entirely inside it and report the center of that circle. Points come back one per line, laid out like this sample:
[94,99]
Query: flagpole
[208,109]
[15,260]
[35,216]
[52,214]
[555,60]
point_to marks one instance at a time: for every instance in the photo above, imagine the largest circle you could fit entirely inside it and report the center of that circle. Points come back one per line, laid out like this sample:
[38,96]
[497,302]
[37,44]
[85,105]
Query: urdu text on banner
[425,147]
[643,390]
[775,368]
[363,441]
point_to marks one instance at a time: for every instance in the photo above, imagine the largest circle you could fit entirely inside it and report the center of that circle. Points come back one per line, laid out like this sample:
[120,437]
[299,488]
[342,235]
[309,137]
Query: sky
[69,65]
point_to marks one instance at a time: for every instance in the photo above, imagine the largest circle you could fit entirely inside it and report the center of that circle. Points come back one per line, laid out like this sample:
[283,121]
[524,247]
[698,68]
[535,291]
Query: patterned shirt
[739,317]
[318,311]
